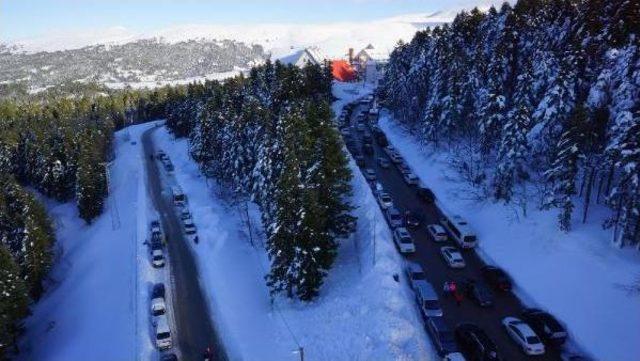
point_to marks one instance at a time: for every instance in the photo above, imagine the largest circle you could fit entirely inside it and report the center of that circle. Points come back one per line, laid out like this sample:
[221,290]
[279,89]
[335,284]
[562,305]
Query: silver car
[393,217]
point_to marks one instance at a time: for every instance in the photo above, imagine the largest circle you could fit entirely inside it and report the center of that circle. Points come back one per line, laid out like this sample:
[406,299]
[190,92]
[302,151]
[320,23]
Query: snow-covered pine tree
[14,302]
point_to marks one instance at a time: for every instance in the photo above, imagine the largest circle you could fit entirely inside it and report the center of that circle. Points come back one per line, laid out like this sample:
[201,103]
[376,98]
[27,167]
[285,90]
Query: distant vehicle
[185,214]
[452,257]
[415,274]
[403,240]
[395,158]
[179,199]
[158,306]
[460,230]
[156,241]
[475,343]
[427,299]
[345,132]
[393,217]
[496,278]
[157,258]
[441,336]
[359,160]
[169,167]
[403,167]
[158,290]
[155,227]
[426,194]
[373,114]
[189,227]
[385,200]
[367,149]
[390,149]
[163,333]
[479,292]
[411,219]
[161,155]
[545,325]
[370,174]
[410,178]
[367,137]
[384,162]
[524,336]
[360,127]
[437,232]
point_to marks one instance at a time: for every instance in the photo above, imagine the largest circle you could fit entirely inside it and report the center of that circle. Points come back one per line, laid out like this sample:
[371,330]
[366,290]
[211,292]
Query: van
[163,333]
[427,299]
[179,199]
[460,230]
[158,306]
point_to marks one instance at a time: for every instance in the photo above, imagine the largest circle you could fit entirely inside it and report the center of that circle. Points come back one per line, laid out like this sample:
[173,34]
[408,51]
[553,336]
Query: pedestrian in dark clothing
[196,239]
[458,296]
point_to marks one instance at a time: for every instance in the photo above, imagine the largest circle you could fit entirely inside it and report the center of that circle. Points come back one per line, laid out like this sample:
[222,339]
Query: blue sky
[34,18]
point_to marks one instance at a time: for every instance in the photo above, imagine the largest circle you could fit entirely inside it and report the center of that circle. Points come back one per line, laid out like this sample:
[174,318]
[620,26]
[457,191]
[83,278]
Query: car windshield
[405,239]
[431,305]
[532,340]
[470,239]
[157,257]
[163,335]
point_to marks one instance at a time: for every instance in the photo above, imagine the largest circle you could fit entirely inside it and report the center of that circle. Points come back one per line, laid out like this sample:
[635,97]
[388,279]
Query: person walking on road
[449,287]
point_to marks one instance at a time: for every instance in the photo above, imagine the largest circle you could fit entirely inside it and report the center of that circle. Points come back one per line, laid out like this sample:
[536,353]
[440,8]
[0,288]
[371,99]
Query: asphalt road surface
[428,256]
[195,330]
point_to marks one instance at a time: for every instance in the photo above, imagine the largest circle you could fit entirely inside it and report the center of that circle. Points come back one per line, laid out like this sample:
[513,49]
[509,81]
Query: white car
[370,174]
[158,307]
[523,335]
[403,240]
[452,256]
[415,274]
[410,178]
[394,218]
[163,333]
[385,200]
[189,227]
[437,232]
[185,214]
[157,258]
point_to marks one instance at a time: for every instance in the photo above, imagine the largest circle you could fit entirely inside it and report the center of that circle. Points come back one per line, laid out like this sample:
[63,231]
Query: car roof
[523,327]
[162,324]
[426,290]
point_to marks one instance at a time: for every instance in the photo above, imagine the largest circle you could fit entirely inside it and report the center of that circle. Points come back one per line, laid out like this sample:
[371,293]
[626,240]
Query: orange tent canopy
[342,70]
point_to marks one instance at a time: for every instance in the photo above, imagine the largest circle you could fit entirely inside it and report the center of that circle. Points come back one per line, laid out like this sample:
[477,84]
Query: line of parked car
[531,331]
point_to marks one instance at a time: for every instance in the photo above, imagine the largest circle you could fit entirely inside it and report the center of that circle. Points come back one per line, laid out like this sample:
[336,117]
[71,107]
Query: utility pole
[301,352]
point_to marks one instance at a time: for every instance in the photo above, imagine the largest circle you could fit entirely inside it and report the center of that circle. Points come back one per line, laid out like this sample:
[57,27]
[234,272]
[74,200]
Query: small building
[310,55]
[370,53]
[343,71]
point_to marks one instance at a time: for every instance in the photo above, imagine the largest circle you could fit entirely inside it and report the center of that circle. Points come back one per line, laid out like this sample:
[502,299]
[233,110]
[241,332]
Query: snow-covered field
[362,313]
[102,275]
[579,276]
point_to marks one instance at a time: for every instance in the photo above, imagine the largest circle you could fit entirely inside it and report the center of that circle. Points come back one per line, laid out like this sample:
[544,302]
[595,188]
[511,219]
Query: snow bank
[578,276]
[361,313]
[102,274]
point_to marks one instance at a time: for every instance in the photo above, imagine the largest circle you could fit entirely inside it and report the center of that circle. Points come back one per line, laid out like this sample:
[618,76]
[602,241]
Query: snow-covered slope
[96,308]
[279,39]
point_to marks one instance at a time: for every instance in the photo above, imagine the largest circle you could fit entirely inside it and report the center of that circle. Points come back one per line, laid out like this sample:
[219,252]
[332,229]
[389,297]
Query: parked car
[403,240]
[189,227]
[441,336]
[161,155]
[155,227]
[385,200]
[460,230]
[158,290]
[163,333]
[367,149]
[185,214]
[158,306]
[393,217]
[390,149]
[395,158]
[415,274]
[437,232]
[404,168]
[360,126]
[156,241]
[479,292]
[475,344]
[545,325]
[427,299]
[367,138]
[359,160]
[157,258]
[383,162]
[496,278]
[523,335]
[426,194]
[410,178]
[452,257]
[370,175]
[411,219]
[169,167]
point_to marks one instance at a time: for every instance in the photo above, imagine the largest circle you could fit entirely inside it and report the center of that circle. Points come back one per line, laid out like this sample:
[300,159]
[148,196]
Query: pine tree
[13,303]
